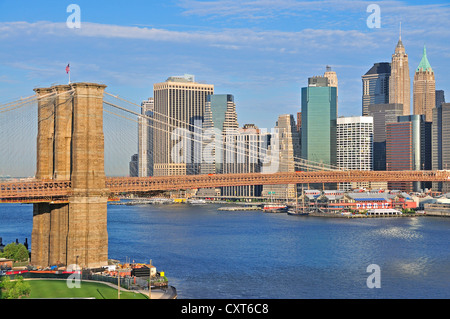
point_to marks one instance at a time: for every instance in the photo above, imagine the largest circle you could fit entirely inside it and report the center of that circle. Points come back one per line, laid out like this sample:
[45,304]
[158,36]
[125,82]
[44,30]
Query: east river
[211,254]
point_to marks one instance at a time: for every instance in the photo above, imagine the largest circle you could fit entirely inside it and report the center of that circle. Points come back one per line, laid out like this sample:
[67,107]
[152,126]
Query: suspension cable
[302,162]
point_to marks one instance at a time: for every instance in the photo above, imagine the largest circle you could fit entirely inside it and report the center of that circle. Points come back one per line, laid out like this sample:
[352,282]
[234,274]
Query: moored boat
[274,208]
[196,201]
[297,212]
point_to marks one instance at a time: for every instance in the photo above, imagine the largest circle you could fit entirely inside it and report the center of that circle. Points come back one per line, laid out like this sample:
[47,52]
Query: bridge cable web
[18,134]
[310,165]
[174,133]
[17,143]
[121,140]
[18,129]
[300,161]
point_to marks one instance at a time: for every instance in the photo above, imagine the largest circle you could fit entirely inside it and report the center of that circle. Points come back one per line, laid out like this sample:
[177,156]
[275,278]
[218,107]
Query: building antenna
[400,31]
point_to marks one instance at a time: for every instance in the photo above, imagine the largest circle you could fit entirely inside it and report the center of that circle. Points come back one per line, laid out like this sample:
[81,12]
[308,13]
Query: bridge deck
[59,191]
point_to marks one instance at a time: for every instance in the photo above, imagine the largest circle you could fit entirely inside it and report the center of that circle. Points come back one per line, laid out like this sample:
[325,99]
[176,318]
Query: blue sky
[260,51]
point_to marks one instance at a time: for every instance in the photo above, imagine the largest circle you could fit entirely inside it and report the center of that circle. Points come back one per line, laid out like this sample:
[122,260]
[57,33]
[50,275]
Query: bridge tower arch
[70,146]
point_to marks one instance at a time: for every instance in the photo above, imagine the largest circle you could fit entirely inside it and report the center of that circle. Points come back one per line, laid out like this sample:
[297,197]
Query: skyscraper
[424,88]
[426,151]
[299,121]
[399,81]
[179,106]
[441,143]
[319,113]
[354,137]
[404,148]
[247,159]
[382,114]
[220,114]
[332,81]
[287,144]
[145,139]
[375,84]
[440,97]
[133,166]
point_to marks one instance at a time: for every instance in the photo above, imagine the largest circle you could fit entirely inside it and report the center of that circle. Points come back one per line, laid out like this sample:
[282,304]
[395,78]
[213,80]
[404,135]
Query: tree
[21,253]
[14,289]
[16,252]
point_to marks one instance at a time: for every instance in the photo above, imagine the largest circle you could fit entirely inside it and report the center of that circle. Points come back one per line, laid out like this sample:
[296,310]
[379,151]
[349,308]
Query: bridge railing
[50,189]
[35,188]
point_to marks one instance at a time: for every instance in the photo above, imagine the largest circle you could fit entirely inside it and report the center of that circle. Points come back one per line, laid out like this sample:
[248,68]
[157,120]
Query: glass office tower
[319,114]
[376,86]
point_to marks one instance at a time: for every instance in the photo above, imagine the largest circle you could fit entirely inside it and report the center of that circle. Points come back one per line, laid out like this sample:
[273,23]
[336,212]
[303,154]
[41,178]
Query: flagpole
[68,70]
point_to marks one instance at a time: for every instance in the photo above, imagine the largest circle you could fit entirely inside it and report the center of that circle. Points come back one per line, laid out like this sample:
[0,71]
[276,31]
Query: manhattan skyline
[262,52]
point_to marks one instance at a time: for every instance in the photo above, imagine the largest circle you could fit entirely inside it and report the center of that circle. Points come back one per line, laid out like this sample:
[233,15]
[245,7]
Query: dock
[439,210]
[336,215]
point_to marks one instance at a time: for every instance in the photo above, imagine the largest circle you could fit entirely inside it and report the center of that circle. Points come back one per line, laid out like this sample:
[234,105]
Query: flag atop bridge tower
[68,70]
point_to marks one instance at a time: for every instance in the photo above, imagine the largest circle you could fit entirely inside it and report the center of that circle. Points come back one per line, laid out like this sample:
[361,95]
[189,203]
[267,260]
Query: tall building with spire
[424,89]
[399,81]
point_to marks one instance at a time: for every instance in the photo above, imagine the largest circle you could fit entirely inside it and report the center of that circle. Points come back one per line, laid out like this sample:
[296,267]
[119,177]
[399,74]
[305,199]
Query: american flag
[68,68]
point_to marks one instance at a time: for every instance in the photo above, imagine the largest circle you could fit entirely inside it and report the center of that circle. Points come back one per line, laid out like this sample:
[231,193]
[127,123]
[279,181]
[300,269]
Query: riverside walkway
[161,293]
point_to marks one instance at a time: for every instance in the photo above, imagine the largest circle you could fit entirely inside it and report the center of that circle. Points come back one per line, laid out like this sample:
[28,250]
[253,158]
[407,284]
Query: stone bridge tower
[70,146]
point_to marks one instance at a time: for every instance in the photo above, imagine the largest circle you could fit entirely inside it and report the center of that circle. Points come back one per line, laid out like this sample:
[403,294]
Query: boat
[238,208]
[196,201]
[298,211]
[274,208]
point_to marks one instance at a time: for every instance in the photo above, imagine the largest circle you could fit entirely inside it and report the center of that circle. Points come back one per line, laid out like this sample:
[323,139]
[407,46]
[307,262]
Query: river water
[211,254]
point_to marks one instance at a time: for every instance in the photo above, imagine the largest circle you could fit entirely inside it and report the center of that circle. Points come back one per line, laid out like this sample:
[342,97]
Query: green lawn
[59,289]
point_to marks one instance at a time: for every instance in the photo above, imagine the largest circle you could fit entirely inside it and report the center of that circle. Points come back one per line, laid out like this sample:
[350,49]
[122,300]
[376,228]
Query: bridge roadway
[34,191]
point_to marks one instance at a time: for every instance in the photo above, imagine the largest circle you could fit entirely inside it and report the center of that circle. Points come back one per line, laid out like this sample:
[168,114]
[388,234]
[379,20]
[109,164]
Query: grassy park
[59,289]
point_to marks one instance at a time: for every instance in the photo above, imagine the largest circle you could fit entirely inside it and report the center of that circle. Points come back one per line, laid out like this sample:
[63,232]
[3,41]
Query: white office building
[354,137]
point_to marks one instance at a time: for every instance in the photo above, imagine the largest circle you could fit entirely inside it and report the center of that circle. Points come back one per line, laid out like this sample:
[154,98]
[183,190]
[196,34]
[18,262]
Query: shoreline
[324,215]
[245,207]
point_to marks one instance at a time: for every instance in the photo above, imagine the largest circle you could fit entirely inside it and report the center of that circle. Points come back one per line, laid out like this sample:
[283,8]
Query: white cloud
[263,8]
[428,19]
[240,60]
[270,8]
[225,38]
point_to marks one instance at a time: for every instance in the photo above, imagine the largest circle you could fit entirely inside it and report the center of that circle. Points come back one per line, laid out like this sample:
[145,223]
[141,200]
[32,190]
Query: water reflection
[211,254]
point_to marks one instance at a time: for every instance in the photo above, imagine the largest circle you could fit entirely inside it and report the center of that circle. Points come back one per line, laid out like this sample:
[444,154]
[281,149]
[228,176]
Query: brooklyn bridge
[70,189]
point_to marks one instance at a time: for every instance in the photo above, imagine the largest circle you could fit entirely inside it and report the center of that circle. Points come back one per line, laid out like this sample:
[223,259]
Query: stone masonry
[70,146]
